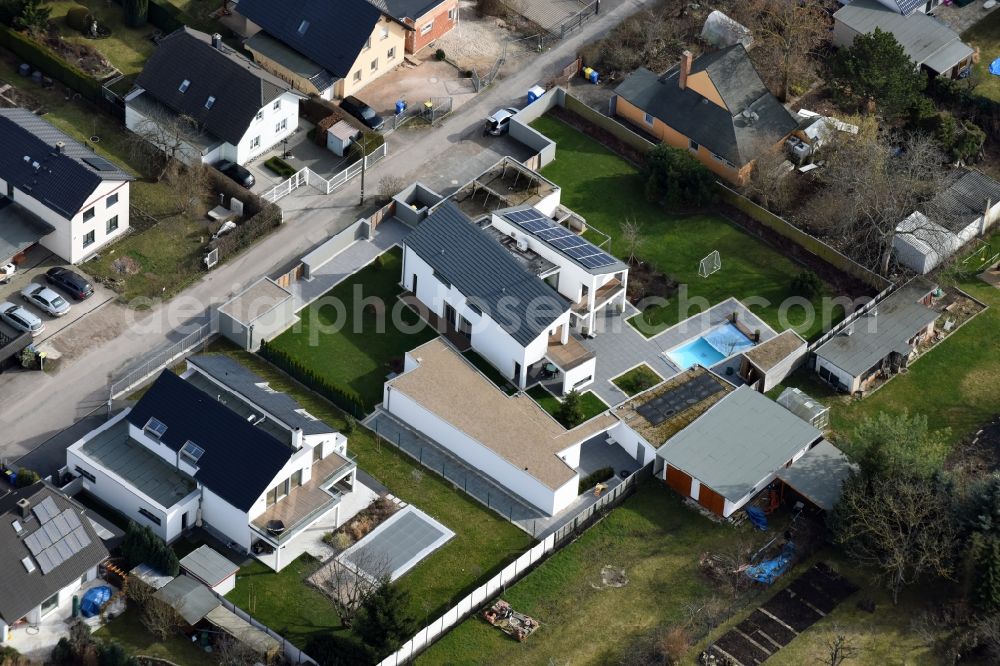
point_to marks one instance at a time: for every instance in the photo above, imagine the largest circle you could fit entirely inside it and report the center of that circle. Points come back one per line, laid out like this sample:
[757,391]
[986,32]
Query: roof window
[185,84]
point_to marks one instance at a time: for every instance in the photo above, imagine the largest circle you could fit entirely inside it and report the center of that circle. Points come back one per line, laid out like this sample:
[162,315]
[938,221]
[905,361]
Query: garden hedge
[280,167]
[342,396]
[163,15]
[50,63]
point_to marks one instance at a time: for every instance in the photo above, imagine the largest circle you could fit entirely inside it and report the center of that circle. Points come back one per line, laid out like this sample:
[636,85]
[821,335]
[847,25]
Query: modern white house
[56,192]
[492,300]
[511,439]
[49,551]
[219,448]
[199,100]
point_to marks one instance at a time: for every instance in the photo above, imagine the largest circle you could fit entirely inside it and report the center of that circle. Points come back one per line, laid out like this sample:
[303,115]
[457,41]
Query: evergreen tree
[570,412]
[677,178]
[382,621]
[876,70]
[34,16]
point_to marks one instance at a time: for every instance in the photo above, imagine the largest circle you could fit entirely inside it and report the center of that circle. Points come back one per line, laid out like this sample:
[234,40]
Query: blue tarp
[757,517]
[995,67]
[768,571]
[93,599]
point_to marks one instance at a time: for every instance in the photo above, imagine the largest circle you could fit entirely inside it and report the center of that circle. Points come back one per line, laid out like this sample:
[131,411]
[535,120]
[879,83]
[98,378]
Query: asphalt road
[35,407]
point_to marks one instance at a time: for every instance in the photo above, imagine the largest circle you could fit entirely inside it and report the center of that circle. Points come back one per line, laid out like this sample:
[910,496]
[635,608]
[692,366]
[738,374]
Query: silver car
[499,122]
[21,319]
[46,299]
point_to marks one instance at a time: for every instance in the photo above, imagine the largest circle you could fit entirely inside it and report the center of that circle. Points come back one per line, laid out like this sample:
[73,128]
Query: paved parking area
[302,152]
[39,260]
[398,544]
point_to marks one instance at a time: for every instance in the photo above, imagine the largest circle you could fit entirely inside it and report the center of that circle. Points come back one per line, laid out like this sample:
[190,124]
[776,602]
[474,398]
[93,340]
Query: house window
[357,75]
[452,13]
[649,120]
[276,105]
[153,518]
[384,32]
[88,238]
[50,604]
[297,478]
[427,28]
[718,157]
[374,65]
[111,201]
[442,280]
[475,308]
[209,102]
[368,43]
[112,225]
[391,54]
[272,496]
[303,27]
[88,214]
[184,85]
[283,489]
[255,142]
[282,125]
[693,145]
[260,115]
[85,474]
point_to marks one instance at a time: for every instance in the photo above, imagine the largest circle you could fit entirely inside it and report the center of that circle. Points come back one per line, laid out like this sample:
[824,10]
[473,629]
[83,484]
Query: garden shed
[339,137]
[260,312]
[211,568]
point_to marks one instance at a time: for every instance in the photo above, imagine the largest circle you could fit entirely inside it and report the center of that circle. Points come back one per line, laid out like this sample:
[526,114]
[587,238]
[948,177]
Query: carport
[819,475]
[19,229]
[245,633]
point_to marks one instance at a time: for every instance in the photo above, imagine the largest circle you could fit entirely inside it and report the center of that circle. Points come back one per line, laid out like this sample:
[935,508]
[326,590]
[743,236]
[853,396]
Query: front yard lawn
[606,190]
[128,631]
[986,35]
[637,380]
[483,541]
[589,402]
[352,346]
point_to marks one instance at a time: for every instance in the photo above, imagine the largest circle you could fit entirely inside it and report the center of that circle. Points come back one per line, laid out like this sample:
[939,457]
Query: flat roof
[819,475]
[255,301]
[243,631]
[514,427]
[19,228]
[208,565]
[737,442]
[771,352]
[657,433]
[115,450]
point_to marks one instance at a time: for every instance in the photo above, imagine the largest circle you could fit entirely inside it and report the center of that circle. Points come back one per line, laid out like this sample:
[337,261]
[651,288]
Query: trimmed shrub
[26,477]
[50,63]
[142,546]
[76,18]
[280,167]
[807,284]
[136,13]
[439,55]
[344,397]
[599,476]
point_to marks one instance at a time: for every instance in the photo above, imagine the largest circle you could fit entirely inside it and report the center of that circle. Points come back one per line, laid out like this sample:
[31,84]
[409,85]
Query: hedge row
[163,15]
[261,215]
[344,397]
[50,63]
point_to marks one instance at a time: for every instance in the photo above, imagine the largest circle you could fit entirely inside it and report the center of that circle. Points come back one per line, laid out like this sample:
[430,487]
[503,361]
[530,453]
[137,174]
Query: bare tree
[231,652]
[169,133]
[159,618]
[348,584]
[770,182]
[631,237]
[189,183]
[838,649]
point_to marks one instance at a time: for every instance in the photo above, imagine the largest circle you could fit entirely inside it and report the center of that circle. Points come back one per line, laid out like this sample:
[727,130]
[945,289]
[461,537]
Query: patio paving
[597,454]
[961,19]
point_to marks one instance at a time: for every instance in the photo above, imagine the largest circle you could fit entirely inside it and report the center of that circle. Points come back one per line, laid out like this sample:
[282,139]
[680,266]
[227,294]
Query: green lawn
[589,402]
[637,380]
[483,541]
[126,48]
[357,353]
[129,631]
[606,190]
[986,35]
[490,371]
[652,536]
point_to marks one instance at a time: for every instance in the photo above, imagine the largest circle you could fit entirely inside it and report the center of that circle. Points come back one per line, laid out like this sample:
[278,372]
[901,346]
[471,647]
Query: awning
[244,632]
[19,229]
[819,474]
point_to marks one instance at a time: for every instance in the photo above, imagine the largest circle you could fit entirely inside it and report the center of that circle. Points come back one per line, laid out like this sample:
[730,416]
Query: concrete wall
[331,248]
[225,518]
[787,366]
[413,202]
[538,142]
[633,443]
[580,376]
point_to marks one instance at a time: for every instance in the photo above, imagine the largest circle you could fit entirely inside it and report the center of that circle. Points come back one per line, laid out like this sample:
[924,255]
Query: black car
[237,173]
[362,112]
[72,283]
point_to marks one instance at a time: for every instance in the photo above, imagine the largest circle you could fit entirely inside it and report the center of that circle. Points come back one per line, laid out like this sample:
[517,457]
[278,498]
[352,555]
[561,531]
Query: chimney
[686,59]
[217,41]
[24,505]
[296,438]
[987,217]
[60,147]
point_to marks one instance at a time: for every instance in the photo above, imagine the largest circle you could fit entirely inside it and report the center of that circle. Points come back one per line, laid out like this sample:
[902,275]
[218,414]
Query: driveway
[431,79]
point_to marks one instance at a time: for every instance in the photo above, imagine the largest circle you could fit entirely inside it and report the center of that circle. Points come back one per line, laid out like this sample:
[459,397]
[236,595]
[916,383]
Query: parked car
[362,112]
[499,122]
[238,174]
[46,299]
[72,283]
[21,319]
[7,272]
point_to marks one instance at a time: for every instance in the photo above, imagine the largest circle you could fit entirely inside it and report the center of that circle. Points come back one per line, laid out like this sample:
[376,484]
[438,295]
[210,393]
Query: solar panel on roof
[672,402]
[100,164]
[572,245]
[45,510]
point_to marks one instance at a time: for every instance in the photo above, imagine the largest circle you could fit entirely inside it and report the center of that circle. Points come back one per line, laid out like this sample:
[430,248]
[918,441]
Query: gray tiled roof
[964,200]
[21,591]
[723,131]
[897,319]
[737,442]
[240,87]
[63,181]
[333,35]
[486,274]
[242,381]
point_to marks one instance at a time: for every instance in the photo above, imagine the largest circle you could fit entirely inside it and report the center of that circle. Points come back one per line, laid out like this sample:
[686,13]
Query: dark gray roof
[19,228]
[819,475]
[208,565]
[253,388]
[737,442]
[291,60]
[21,591]
[898,318]
[476,265]
[404,9]
[63,181]
[240,87]
[724,131]
[12,342]
[964,200]
[192,600]
[240,461]
[333,35]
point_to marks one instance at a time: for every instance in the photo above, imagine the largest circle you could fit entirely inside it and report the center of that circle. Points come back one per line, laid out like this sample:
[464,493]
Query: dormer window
[155,428]
[185,84]
[209,102]
[303,27]
[191,452]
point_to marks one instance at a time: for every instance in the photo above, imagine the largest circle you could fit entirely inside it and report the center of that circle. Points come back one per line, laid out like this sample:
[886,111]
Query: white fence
[160,360]
[307,176]
[510,574]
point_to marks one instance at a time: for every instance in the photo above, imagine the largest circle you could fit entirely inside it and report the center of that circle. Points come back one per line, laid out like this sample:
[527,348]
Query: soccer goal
[709,264]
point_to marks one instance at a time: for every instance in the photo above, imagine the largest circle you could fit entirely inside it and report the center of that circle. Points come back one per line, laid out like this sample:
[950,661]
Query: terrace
[602,297]
[507,183]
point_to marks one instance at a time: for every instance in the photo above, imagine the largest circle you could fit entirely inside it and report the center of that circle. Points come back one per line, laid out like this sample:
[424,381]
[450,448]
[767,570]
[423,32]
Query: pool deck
[619,347]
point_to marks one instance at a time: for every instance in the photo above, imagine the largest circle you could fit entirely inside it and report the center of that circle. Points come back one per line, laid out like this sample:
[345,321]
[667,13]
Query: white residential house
[67,199]
[491,300]
[219,448]
[198,99]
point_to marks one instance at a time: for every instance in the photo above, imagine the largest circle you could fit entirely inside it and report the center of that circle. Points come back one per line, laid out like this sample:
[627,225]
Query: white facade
[921,244]
[274,122]
[103,218]
[633,443]
[60,611]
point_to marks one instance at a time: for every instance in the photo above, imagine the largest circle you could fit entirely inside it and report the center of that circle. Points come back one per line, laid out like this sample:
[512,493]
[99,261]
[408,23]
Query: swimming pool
[718,344]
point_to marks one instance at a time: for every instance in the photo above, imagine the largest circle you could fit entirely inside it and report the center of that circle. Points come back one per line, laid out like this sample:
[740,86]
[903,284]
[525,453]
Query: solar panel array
[573,246]
[59,537]
[100,164]
[676,400]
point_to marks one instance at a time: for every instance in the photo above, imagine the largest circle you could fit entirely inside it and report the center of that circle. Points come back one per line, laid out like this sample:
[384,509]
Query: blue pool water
[718,344]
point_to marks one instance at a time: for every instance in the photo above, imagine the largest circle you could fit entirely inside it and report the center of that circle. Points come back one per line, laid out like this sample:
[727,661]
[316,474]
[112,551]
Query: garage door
[679,481]
[711,500]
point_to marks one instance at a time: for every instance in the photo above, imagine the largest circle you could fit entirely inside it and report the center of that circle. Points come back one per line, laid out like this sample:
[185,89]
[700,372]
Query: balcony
[602,297]
[567,356]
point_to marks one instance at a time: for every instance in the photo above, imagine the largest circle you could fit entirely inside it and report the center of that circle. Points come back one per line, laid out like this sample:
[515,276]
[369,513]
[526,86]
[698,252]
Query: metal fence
[479,83]
[577,20]
[514,571]
[293,655]
[307,176]
[161,359]
[431,110]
